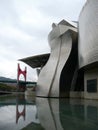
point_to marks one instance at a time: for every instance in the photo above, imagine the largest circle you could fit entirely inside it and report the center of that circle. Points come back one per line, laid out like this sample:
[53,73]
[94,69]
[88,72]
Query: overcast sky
[24,27]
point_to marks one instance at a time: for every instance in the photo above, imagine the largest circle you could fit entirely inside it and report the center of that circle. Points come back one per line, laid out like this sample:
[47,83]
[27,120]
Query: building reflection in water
[67,114]
[48,114]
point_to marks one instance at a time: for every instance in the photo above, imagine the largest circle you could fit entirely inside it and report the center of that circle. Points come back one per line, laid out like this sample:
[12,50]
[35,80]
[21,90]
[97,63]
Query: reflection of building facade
[49,119]
[66,114]
[71,70]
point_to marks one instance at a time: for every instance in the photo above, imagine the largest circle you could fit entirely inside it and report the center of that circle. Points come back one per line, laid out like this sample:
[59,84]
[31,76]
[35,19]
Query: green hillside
[4,87]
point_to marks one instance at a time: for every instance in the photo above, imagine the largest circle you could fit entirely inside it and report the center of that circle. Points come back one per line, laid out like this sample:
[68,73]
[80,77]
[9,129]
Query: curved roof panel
[36,61]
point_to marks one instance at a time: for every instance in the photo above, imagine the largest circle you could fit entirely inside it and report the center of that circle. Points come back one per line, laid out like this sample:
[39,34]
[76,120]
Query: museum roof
[37,60]
[68,23]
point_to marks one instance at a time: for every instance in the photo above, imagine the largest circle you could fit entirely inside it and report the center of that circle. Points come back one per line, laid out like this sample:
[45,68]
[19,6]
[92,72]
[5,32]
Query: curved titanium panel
[88,34]
[65,50]
[68,76]
[48,71]
[60,41]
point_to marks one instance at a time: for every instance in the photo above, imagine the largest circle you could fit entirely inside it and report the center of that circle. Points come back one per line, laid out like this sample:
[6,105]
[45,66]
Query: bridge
[20,86]
[15,81]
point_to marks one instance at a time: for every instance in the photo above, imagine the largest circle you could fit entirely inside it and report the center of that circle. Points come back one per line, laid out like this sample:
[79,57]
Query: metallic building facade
[88,48]
[62,41]
[72,67]
[88,34]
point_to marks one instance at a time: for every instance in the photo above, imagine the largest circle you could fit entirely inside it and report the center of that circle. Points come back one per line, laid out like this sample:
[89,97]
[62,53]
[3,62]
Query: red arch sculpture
[19,72]
[23,72]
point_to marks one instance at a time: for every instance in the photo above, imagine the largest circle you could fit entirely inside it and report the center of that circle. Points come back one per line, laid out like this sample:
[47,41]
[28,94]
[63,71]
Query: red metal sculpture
[19,72]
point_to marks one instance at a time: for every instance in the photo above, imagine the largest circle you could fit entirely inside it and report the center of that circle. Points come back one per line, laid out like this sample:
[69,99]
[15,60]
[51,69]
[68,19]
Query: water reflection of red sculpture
[19,114]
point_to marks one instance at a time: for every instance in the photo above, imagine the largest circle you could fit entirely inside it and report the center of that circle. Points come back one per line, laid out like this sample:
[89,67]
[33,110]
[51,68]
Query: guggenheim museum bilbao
[71,69]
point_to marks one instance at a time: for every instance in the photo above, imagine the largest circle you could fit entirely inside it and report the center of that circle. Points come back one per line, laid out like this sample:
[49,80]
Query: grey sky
[24,27]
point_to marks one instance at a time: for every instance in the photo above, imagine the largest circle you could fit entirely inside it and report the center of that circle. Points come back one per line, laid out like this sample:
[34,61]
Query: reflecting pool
[29,113]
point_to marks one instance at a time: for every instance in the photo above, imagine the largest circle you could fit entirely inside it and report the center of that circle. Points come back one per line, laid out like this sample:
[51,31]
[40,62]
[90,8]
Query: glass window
[92,85]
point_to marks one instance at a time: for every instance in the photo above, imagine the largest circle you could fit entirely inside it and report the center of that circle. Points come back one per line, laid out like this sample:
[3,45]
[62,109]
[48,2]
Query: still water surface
[22,113]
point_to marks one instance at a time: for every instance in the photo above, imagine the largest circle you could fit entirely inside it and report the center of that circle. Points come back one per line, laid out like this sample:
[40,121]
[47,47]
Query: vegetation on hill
[8,84]
[4,87]
[6,79]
